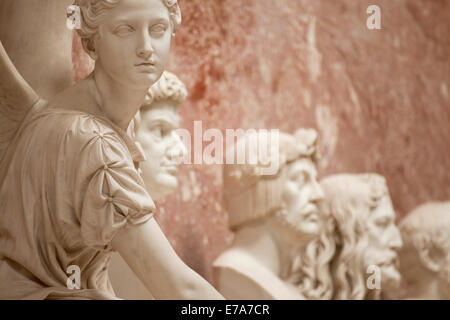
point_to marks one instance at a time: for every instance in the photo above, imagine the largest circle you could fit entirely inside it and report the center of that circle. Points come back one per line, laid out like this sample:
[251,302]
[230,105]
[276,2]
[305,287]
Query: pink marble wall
[380,99]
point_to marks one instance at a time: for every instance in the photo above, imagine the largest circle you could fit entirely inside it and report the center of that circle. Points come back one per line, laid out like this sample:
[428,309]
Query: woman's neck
[117,102]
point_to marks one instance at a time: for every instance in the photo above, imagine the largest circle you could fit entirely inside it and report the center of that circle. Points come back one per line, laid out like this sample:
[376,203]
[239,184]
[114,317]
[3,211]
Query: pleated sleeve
[109,193]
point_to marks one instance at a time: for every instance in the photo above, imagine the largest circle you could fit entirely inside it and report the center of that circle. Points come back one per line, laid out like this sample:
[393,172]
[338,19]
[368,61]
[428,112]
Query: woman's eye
[123,30]
[159,29]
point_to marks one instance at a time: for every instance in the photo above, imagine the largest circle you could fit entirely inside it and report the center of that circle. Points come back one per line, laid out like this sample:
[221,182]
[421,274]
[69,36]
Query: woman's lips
[146,66]
[145,63]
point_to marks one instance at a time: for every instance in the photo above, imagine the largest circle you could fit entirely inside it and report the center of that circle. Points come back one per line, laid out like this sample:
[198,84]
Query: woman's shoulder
[73,122]
[74,112]
[77,133]
[73,118]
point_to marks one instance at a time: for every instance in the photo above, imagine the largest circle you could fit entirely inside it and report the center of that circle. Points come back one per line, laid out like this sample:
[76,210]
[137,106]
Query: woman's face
[134,42]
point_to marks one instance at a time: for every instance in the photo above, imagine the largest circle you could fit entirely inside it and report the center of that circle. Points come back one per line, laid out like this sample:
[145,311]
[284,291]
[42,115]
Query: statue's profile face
[162,146]
[384,243]
[134,42]
[301,196]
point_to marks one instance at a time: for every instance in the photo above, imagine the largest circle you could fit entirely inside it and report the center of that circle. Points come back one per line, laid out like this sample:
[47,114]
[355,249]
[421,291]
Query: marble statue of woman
[155,131]
[425,256]
[360,240]
[71,192]
[270,215]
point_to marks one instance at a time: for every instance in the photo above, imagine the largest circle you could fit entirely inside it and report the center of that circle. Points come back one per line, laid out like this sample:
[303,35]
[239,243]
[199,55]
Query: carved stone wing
[16,99]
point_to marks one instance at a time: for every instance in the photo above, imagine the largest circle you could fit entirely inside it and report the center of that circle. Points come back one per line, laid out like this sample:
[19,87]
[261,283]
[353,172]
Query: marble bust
[71,193]
[155,132]
[270,215]
[359,237]
[425,256]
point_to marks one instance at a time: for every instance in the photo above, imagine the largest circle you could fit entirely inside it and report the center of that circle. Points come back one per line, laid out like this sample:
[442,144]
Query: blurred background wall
[34,34]
[380,99]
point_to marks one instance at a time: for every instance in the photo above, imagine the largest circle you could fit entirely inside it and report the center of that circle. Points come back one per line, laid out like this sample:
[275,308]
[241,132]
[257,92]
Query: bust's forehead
[166,112]
[302,164]
[347,187]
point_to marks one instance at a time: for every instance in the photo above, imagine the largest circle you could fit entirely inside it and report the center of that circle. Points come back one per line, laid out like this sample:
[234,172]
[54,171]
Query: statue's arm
[114,209]
[150,255]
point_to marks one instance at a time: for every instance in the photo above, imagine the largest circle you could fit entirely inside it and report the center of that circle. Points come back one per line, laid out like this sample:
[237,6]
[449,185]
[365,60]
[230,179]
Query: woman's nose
[144,47]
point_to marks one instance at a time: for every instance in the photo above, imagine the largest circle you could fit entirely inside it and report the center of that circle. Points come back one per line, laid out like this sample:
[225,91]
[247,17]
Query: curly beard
[294,226]
[387,261]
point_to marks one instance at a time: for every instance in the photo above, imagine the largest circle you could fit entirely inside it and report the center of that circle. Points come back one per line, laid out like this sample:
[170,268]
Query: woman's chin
[139,80]
[145,80]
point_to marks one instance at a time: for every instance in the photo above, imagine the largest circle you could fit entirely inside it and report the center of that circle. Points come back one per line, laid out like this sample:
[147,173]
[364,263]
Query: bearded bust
[270,215]
[359,242]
